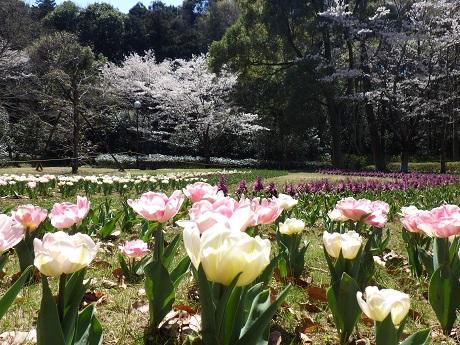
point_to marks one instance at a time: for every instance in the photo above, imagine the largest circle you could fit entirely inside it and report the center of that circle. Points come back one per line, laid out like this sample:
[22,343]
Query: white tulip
[286,202]
[292,226]
[60,253]
[380,303]
[224,253]
[348,243]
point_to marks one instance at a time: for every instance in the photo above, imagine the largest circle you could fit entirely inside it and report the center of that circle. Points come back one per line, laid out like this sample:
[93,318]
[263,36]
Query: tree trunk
[336,135]
[404,160]
[455,142]
[76,132]
[442,150]
[376,144]
[207,146]
[332,110]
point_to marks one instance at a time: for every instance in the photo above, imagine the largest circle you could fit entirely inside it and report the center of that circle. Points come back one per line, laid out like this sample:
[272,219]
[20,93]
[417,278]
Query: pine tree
[43,7]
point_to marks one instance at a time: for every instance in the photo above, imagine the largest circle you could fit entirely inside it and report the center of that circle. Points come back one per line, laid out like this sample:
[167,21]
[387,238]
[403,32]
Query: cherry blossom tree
[192,105]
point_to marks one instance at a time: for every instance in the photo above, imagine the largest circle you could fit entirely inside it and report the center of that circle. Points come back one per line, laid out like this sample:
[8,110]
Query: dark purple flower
[258,186]
[242,188]
[221,186]
[271,189]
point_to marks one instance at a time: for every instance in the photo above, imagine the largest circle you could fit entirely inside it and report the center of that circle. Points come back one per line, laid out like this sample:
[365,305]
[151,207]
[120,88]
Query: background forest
[289,83]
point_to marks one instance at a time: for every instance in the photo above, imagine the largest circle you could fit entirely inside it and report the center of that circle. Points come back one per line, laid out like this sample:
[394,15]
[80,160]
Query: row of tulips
[45,185]
[230,262]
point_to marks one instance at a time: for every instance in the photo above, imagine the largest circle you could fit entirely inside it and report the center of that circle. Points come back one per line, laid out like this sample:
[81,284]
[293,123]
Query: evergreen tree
[43,7]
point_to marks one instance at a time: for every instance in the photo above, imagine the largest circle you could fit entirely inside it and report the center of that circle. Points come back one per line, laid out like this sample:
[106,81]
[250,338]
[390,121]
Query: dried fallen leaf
[18,338]
[306,340]
[141,306]
[98,297]
[101,264]
[312,308]
[109,284]
[118,273]
[186,308]
[317,293]
[366,320]
[308,326]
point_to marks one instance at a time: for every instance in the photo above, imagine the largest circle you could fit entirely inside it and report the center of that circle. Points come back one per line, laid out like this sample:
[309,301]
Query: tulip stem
[61,296]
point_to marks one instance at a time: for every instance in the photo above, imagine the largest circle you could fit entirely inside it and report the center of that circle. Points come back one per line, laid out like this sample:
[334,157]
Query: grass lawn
[303,319]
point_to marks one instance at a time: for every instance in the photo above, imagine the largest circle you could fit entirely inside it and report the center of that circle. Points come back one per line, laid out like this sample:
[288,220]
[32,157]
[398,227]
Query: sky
[122,5]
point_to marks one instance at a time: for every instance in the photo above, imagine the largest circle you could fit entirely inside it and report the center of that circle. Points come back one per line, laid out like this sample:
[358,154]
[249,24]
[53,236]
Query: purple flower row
[404,176]
[394,181]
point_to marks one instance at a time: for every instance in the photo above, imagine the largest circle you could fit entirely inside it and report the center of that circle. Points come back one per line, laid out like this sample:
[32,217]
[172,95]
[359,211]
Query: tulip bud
[286,202]
[348,243]
[292,226]
[225,253]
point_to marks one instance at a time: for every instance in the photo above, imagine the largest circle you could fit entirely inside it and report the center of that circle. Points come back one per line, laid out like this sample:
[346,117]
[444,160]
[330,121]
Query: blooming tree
[186,102]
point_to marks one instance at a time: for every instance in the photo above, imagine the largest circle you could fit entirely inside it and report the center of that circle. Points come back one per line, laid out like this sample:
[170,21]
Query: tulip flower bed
[197,266]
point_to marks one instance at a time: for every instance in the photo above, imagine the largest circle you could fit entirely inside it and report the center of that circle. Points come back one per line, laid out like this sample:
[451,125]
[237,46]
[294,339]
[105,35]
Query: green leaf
[89,329]
[109,227]
[385,332]
[444,298]
[233,319]
[170,251]
[344,306]
[259,318]
[74,292]
[124,266]
[223,307]
[159,290]
[419,338]
[10,295]
[25,255]
[208,309]
[179,271]
[267,273]
[49,329]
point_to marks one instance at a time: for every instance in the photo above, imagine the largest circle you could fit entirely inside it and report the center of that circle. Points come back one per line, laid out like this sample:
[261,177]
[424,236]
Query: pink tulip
[224,212]
[30,216]
[157,206]
[441,222]
[11,233]
[266,211]
[373,213]
[354,209]
[410,216]
[201,191]
[83,206]
[134,249]
[376,219]
[65,215]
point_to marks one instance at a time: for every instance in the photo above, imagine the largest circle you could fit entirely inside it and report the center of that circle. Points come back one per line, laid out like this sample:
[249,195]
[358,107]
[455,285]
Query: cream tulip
[60,253]
[224,253]
[292,226]
[348,243]
[285,201]
[380,303]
